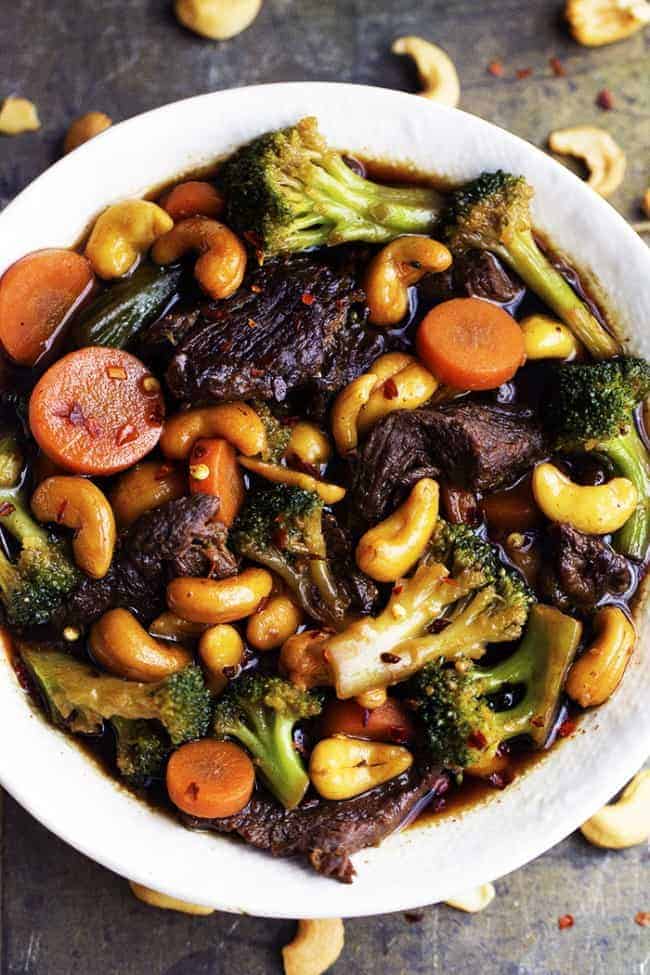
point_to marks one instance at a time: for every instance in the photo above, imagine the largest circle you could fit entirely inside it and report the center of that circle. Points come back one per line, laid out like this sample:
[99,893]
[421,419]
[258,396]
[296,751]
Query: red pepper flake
[496,69]
[126,434]
[398,590]
[522,73]
[499,780]
[156,415]
[6,508]
[438,804]
[251,323]
[477,740]
[75,415]
[365,717]
[390,658]
[192,791]
[163,471]
[605,100]
[566,921]
[307,299]
[566,728]
[439,625]
[256,289]
[537,721]
[115,372]
[199,451]
[390,389]
[557,67]
[60,515]
[643,919]
[93,427]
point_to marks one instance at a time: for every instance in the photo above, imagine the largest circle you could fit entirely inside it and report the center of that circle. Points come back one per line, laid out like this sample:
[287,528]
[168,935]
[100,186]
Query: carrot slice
[96,411]
[214,470]
[389,722]
[38,295]
[195,198]
[469,343]
[209,778]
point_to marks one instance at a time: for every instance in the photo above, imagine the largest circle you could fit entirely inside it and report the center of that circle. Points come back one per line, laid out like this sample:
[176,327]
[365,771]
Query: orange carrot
[96,411]
[210,779]
[38,294]
[214,470]
[468,343]
[195,198]
[389,722]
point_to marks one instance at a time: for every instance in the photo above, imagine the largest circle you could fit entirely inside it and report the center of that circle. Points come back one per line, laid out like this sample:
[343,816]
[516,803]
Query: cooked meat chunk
[361,590]
[327,832]
[178,538]
[578,570]
[476,274]
[278,332]
[476,446]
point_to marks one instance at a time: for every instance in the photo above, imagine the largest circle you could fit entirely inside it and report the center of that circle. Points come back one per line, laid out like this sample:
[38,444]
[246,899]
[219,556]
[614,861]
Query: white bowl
[54,780]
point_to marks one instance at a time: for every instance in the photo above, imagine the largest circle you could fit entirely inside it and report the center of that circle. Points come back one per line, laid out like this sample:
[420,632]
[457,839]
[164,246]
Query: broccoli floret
[592,407]
[42,575]
[493,213]
[281,528]
[79,698]
[462,726]
[261,712]
[290,192]
[278,434]
[141,748]
[463,586]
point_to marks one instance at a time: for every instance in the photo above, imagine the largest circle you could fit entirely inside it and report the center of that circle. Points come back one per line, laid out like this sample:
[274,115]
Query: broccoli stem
[630,457]
[18,521]
[270,742]
[522,253]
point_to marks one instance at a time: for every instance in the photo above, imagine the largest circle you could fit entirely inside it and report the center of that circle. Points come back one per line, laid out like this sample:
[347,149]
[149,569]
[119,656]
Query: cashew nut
[547,338]
[144,487]
[84,128]
[315,947]
[168,626]
[122,234]
[217,19]
[155,899]
[596,22]
[624,823]
[388,550]
[646,202]
[220,647]
[346,409]
[371,700]
[302,659]
[437,71]
[594,510]
[603,156]
[330,493]
[394,269]
[222,256]
[236,422]
[18,115]
[402,384]
[596,674]
[309,444]
[219,600]
[78,503]
[192,198]
[472,901]
[124,648]
[342,767]
[273,623]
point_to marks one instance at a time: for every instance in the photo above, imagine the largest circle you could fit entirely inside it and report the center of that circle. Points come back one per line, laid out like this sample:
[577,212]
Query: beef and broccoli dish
[319,497]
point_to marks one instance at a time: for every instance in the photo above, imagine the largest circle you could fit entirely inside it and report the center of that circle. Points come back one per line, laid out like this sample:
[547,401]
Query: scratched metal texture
[61,913]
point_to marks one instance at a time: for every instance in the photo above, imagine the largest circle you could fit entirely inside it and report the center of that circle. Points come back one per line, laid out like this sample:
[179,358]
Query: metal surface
[61,914]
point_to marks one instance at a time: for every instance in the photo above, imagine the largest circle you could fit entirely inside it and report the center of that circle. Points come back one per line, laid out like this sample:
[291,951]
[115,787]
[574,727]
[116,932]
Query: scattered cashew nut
[217,19]
[472,901]
[548,338]
[346,410]
[594,510]
[330,493]
[437,71]
[155,899]
[394,269]
[18,115]
[596,674]
[219,600]
[124,648]
[84,128]
[626,822]
[342,767]
[597,22]
[236,422]
[122,233]
[388,550]
[222,256]
[78,503]
[603,156]
[645,205]
[315,947]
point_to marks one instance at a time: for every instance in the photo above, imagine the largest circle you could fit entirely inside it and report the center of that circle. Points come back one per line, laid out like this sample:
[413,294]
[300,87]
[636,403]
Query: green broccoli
[141,748]
[43,575]
[278,434]
[281,528]
[493,213]
[79,698]
[291,192]
[462,726]
[261,711]
[592,407]
[462,587]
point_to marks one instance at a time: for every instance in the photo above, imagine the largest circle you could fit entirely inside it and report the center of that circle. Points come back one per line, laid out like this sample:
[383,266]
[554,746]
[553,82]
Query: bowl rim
[159,854]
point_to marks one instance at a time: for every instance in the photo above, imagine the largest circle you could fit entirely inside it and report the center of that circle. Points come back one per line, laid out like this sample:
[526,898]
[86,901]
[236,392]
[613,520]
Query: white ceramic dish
[53,779]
